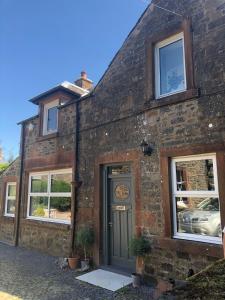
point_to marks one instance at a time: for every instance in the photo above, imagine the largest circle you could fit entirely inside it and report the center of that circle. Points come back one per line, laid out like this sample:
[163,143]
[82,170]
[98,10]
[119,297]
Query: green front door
[120,217]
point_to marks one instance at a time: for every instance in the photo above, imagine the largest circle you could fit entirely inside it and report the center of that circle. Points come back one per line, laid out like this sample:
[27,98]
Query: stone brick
[183,255]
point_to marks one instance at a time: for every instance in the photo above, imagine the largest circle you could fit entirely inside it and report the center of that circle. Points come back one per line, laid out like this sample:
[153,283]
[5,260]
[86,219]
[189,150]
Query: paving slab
[105,279]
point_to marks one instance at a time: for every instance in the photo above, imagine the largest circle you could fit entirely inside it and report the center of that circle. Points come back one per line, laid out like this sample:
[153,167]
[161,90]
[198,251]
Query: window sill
[173,99]
[47,136]
[191,247]
[199,239]
[46,224]
[9,216]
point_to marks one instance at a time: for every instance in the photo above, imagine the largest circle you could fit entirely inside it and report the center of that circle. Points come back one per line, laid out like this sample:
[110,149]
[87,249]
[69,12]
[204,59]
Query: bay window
[49,197]
[196,206]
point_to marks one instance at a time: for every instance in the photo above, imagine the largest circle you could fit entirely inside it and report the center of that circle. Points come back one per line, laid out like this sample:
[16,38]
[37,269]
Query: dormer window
[50,118]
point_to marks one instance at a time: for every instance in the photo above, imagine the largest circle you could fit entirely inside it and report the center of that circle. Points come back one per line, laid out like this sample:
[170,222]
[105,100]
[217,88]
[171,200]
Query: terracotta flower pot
[139,264]
[73,262]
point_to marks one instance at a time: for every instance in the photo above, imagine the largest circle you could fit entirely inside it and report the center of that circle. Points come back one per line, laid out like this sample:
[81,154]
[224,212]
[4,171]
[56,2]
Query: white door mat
[105,279]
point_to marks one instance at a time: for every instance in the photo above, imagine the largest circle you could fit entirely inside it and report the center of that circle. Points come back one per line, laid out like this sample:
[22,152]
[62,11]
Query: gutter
[17,220]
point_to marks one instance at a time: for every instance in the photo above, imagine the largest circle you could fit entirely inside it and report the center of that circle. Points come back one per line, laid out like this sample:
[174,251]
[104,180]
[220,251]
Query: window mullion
[194,194]
[60,194]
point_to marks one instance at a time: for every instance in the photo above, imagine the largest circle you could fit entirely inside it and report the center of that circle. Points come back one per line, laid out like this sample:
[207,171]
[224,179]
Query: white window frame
[158,46]
[177,193]
[7,197]
[47,194]
[45,117]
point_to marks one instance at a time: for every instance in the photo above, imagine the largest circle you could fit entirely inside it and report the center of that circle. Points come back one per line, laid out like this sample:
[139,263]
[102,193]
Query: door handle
[110,224]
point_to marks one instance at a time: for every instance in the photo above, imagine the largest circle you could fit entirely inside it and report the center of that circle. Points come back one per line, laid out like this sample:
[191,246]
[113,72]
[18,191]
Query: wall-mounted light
[146,148]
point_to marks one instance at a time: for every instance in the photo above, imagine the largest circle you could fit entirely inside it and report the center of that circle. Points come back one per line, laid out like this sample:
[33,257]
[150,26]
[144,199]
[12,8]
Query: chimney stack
[84,82]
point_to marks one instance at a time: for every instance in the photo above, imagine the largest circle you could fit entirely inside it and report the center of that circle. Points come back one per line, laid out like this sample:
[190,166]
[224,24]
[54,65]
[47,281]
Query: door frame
[106,245]
[130,156]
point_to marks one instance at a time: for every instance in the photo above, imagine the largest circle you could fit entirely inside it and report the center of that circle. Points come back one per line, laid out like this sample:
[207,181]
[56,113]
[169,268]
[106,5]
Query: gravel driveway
[27,275]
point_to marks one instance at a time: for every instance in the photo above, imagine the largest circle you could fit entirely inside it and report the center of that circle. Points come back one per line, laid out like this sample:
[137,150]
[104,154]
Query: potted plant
[139,246]
[73,260]
[85,239]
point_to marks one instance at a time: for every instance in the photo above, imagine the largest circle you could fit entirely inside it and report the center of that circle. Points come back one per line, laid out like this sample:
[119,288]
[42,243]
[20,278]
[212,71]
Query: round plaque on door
[122,192]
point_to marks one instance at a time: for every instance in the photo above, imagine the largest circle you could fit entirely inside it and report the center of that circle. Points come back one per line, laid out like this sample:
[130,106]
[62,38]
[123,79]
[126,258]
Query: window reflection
[11,207]
[50,196]
[195,175]
[198,216]
[60,208]
[172,78]
[52,119]
[196,199]
[39,183]
[39,207]
[61,183]
[12,190]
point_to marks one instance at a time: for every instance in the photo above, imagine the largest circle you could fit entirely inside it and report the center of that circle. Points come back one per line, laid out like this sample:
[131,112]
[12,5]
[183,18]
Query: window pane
[39,207]
[11,207]
[61,183]
[52,119]
[198,216]
[116,170]
[12,190]
[60,208]
[195,175]
[171,68]
[39,184]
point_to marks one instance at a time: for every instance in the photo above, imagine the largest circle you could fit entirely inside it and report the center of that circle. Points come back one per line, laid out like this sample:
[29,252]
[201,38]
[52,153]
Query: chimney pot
[83,74]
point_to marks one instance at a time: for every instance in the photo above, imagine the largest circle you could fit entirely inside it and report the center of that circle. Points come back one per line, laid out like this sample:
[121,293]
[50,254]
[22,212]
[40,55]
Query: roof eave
[29,119]
[38,98]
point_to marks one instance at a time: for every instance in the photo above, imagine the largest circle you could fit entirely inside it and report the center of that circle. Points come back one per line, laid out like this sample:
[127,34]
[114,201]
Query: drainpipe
[17,219]
[76,183]
[224,242]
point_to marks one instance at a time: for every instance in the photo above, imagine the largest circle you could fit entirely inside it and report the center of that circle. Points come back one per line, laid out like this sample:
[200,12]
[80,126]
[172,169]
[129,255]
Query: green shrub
[61,203]
[139,246]
[39,212]
[85,238]
[3,167]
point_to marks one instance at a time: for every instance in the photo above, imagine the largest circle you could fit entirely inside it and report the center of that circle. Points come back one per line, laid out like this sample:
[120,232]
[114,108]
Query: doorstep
[106,279]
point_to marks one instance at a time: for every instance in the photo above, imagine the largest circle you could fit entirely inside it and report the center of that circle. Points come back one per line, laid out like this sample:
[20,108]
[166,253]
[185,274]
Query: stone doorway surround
[132,157]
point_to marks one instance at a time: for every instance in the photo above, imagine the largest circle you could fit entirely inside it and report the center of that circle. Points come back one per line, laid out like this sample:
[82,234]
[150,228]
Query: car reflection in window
[202,220]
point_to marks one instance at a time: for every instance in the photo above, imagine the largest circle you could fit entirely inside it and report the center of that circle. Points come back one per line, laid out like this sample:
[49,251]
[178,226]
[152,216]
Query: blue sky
[45,42]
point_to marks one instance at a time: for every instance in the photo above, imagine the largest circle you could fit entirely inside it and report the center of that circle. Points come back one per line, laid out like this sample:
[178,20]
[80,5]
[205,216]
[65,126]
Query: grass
[205,285]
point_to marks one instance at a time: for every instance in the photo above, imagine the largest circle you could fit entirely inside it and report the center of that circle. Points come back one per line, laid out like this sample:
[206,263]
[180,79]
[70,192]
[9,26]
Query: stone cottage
[141,153]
